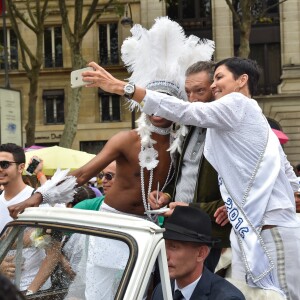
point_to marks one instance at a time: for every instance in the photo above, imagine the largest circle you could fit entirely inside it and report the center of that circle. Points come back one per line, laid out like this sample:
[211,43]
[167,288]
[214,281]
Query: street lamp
[127,21]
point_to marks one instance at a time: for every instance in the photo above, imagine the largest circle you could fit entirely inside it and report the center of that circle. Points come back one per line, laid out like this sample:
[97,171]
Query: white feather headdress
[158,58]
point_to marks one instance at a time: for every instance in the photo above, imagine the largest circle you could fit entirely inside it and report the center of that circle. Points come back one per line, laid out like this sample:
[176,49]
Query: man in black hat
[188,242]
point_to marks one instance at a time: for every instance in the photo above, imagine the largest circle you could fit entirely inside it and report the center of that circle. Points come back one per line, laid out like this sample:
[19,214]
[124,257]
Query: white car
[87,242]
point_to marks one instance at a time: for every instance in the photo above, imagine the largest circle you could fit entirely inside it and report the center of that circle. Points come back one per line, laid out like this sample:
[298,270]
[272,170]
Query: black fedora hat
[189,224]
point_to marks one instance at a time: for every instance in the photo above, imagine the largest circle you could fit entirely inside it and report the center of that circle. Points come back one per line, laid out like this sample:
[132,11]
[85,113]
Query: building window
[12,49]
[53,47]
[193,15]
[264,45]
[54,106]
[93,147]
[109,107]
[108,44]
[268,57]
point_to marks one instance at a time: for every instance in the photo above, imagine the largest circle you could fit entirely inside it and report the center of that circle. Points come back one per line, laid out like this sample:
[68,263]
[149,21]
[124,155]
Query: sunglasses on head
[5,164]
[108,176]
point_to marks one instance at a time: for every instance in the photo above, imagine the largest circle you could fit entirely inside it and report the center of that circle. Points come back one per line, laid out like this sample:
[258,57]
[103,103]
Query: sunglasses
[108,176]
[5,164]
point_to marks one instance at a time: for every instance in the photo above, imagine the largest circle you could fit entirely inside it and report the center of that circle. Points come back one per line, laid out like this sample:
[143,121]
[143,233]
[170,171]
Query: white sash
[246,216]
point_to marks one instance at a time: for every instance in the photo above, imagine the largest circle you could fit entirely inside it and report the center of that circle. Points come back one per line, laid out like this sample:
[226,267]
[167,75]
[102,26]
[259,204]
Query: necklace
[144,196]
[148,157]
[160,130]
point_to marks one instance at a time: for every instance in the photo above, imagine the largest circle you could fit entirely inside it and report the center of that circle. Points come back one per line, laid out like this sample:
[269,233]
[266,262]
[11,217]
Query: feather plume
[162,53]
[178,138]
[157,59]
[58,189]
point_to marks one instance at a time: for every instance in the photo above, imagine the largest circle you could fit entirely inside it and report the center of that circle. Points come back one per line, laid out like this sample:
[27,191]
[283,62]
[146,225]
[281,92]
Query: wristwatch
[129,90]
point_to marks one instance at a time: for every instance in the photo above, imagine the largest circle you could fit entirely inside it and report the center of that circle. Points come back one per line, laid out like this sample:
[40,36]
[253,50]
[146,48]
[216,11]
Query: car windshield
[64,262]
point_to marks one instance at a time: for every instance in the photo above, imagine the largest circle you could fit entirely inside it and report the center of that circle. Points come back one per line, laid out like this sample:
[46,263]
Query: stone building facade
[99,119]
[283,107]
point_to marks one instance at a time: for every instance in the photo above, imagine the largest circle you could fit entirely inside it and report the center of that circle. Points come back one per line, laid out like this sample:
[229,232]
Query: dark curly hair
[17,151]
[82,193]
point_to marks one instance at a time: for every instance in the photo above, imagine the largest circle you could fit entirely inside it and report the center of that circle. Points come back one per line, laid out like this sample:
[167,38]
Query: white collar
[188,290]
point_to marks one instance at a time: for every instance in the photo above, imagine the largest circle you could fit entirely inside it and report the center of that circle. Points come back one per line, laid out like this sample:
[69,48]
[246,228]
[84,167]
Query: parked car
[48,229]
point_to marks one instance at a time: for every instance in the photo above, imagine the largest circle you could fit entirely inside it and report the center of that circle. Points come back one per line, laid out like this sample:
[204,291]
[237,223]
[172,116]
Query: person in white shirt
[12,164]
[256,180]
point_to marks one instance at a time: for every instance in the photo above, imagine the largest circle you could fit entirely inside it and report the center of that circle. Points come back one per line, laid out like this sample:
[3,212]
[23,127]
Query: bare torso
[125,195]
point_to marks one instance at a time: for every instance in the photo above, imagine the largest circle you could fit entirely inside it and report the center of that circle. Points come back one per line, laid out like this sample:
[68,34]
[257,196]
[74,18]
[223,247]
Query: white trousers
[283,245]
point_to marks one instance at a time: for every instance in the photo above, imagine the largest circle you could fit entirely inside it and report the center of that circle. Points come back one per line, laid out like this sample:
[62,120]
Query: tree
[75,37]
[245,14]
[32,14]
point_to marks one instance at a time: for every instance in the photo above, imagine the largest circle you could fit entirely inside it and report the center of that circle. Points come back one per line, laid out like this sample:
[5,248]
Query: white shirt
[4,204]
[33,257]
[235,138]
[186,184]
[188,290]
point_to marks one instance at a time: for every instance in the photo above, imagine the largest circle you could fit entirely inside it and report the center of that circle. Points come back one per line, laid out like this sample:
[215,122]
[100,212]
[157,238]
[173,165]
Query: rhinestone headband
[167,87]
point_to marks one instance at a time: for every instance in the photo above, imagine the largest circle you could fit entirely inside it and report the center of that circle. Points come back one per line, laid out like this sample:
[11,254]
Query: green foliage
[119,8]
[170,2]
[259,9]
[265,20]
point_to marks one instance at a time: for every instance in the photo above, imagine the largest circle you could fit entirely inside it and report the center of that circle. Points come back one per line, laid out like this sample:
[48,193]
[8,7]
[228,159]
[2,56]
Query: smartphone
[76,77]
[32,166]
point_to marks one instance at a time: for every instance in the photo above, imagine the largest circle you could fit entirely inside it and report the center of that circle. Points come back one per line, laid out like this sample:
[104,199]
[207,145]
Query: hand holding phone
[32,166]
[76,77]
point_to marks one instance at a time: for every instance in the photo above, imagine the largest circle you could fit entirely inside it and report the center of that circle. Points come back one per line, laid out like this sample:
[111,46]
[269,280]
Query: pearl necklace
[144,197]
[148,157]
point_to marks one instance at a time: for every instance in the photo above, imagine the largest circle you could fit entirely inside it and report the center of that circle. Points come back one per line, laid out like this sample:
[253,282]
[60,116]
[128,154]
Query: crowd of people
[213,160]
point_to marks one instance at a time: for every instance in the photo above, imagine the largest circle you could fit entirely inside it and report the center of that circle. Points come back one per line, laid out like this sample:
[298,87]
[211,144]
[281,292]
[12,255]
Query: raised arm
[111,151]
[224,114]
[101,78]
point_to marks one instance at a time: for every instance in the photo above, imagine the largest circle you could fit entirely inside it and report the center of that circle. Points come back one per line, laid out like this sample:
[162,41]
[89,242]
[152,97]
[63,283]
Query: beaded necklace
[148,157]
[144,196]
